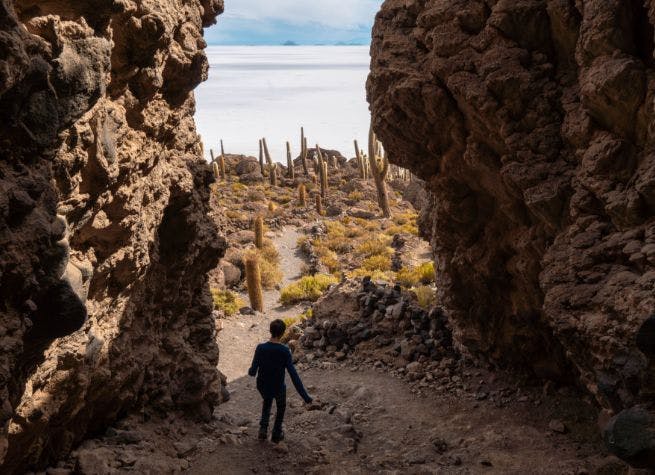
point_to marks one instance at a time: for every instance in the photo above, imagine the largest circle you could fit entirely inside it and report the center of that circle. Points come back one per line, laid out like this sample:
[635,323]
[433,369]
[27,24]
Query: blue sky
[311,22]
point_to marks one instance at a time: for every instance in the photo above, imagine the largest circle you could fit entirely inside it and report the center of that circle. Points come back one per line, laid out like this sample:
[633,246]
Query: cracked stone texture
[531,122]
[106,244]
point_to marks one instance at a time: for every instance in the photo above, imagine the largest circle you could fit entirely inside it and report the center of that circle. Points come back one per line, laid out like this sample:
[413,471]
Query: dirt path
[371,422]
[240,334]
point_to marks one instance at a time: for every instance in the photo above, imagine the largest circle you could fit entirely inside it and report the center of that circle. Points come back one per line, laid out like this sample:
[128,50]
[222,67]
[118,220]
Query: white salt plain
[270,91]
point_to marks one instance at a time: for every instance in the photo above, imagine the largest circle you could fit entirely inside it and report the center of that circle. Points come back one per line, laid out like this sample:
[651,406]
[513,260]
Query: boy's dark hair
[278,327]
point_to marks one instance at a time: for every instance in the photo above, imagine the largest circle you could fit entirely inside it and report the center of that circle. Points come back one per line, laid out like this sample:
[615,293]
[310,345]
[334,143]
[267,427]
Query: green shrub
[309,288]
[423,274]
[375,246]
[291,321]
[425,295]
[378,262]
[387,276]
[227,302]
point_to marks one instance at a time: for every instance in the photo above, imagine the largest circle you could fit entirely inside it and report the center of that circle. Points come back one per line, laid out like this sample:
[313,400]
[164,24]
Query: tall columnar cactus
[302,195]
[360,162]
[221,162]
[379,165]
[291,173]
[211,154]
[217,172]
[319,204]
[254,282]
[259,232]
[267,155]
[272,174]
[304,156]
[324,180]
[261,156]
[322,171]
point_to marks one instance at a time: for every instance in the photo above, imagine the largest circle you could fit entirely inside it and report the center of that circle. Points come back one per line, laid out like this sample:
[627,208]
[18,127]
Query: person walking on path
[269,364]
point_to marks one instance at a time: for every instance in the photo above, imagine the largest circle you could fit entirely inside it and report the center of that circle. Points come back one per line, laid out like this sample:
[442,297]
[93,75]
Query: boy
[271,359]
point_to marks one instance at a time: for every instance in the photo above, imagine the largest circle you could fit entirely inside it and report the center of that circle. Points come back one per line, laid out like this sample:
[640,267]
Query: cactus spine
[254,282]
[302,195]
[259,232]
[291,173]
[379,165]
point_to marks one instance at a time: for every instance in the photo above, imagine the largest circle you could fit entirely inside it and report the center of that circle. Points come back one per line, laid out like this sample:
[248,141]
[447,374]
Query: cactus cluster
[322,171]
[379,165]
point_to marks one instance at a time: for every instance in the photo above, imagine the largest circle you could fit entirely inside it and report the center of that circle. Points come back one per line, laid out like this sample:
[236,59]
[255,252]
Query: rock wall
[531,122]
[104,303]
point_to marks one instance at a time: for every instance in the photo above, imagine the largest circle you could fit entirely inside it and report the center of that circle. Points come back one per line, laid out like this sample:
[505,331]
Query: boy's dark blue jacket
[269,364]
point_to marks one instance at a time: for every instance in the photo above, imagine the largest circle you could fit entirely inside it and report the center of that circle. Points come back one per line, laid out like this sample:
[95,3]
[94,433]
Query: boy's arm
[255,363]
[295,379]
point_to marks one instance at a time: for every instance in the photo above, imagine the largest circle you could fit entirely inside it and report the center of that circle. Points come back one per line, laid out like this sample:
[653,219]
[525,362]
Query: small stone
[557,426]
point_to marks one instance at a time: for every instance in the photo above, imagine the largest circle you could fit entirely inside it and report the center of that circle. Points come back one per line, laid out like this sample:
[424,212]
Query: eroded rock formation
[103,201]
[531,122]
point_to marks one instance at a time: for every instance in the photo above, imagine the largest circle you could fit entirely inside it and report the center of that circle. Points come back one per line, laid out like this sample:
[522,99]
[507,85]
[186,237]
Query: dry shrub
[309,288]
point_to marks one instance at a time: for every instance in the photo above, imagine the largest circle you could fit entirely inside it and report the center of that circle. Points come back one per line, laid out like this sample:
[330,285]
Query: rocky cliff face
[104,304]
[531,122]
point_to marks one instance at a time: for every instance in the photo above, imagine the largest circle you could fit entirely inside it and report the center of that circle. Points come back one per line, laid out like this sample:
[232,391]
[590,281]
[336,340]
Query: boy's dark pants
[281,404]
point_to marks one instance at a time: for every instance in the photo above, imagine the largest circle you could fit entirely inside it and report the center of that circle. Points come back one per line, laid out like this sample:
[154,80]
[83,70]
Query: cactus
[304,157]
[302,195]
[259,232]
[221,166]
[360,162]
[273,174]
[254,282]
[267,155]
[379,165]
[211,154]
[222,149]
[291,173]
[303,151]
[319,204]
[324,180]
[271,207]
[322,171]
[217,172]
[261,156]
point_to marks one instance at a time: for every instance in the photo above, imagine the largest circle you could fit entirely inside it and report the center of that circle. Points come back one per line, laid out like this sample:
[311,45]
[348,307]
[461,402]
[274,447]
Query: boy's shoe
[277,437]
[263,435]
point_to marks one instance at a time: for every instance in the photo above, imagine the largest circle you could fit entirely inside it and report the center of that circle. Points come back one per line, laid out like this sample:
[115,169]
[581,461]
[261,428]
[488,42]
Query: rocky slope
[531,123]
[104,303]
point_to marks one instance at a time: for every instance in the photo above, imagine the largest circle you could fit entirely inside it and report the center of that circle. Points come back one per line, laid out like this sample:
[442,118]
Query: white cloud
[341,14]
